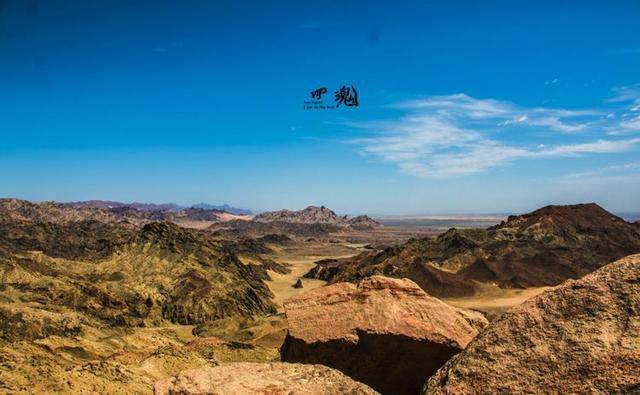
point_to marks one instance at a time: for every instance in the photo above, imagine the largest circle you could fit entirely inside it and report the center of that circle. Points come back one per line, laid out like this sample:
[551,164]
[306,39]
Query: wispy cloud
[629,93]
[454,135]
[629,119]
[616,168]
[627,171]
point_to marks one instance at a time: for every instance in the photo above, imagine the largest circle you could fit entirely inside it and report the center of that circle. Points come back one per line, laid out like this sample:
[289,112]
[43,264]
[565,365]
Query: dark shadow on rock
[389,363]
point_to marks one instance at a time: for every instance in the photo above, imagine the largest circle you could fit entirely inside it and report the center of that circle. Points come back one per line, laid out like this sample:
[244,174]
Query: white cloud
[595,147]
[458,105]
[632,124]
[456,135]
[502,113]
[629,93]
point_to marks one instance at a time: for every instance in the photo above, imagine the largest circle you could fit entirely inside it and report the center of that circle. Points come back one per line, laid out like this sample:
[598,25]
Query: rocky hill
[15,209]
[320,215]
[128,277]
[583,337]
[544,247]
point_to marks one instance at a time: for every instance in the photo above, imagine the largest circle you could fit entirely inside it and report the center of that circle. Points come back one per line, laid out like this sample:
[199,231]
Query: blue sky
[465,107]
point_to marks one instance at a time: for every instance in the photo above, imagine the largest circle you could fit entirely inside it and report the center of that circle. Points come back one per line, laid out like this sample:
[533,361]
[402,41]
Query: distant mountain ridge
[224,207]
[166,207]
[103,211]
[315,214]
[107,204]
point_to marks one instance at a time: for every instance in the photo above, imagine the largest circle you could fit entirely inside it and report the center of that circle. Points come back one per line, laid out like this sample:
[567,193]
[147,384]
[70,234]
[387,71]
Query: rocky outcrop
[362,222]
[261,378]
[317,215]
[276,238]
[384,332]
[583,337]
[309,215]
[396,262]
[541,248]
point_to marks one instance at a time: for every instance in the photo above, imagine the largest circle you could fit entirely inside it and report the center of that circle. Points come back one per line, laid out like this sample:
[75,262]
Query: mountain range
[541,248]
[166,207]
[110,212]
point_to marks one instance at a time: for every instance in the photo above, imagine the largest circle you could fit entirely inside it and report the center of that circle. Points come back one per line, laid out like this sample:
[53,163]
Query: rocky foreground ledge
[582,337]
[261,378]
[387,333]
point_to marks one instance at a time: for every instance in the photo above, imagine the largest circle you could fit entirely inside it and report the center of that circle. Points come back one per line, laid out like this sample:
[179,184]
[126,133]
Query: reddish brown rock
[387,333]
[582,337]
[261,378]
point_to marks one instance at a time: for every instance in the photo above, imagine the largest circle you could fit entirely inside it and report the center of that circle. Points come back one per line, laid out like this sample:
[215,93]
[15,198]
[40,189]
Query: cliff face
[541,248]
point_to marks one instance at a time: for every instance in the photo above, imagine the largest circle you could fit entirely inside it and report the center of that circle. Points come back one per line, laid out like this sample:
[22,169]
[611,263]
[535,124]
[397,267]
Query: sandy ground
[496,302]
[301,258]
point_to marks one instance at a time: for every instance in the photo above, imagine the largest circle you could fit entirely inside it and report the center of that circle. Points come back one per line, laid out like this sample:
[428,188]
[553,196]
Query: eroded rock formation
[387,333]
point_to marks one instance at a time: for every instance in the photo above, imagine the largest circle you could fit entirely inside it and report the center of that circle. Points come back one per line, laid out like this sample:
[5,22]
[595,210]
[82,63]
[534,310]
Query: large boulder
[582,337]
[387,333]
[261,378]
